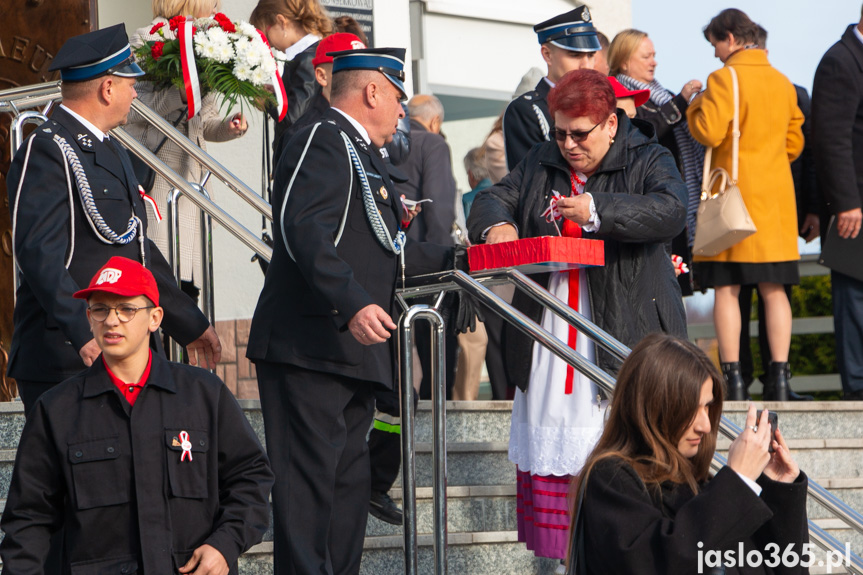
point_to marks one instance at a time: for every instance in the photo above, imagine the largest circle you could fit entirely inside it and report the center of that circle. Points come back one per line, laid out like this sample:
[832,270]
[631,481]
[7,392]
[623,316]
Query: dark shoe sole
[387,518]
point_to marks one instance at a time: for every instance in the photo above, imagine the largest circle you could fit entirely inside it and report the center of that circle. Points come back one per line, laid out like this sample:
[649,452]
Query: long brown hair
[656,398]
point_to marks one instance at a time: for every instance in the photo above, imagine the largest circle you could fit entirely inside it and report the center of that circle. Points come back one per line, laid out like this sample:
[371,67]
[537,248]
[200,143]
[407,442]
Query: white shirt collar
[547,81]
[858,33]
[300,45]
[96,131]
[359,127]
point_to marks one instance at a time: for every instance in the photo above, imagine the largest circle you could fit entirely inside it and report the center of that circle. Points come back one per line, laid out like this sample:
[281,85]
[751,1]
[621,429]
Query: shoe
[777,388]
[735,389]
[853,395]
[382,506]
[561,569]
[792,395]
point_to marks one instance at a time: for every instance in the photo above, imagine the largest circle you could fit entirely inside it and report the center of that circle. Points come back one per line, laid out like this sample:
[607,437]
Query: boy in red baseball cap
[147,465]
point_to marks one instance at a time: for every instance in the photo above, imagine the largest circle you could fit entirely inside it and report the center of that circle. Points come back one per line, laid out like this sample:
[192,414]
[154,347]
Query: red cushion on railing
[537,255]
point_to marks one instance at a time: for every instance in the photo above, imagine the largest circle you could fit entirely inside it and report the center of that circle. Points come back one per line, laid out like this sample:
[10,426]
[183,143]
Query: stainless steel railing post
[406,327]
[208,288]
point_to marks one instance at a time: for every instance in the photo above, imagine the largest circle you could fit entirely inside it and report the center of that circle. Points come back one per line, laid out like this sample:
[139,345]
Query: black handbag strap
[175,124]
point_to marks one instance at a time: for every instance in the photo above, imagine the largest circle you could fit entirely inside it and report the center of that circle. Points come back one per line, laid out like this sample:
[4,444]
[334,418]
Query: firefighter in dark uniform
[75,203]
[321,334]
[569,42]
[147,466]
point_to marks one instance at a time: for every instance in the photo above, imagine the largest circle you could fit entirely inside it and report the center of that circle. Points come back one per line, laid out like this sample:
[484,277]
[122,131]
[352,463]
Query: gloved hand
[464,310]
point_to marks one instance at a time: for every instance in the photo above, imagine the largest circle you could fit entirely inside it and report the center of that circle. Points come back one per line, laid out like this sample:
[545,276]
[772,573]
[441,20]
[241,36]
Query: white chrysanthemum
[268,66]
[224,53]
[242,71]
[260,77]
[203,46]
[246,29]
[278,55]
[242,46]
[217,35]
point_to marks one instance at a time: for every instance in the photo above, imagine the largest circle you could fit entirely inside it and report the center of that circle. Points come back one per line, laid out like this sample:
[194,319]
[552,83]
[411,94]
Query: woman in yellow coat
[770,139]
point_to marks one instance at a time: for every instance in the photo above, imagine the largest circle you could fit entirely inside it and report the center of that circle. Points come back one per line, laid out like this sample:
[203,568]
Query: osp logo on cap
[357,45]
[109,275]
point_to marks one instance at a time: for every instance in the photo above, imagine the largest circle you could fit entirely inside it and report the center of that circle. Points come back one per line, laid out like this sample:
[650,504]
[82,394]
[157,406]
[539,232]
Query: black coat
[310,295]
[837,125]
[522,128]
[641,202]
[630,529]
[428,170]
[58,252]
[803,168]
[111,476]
[663,119]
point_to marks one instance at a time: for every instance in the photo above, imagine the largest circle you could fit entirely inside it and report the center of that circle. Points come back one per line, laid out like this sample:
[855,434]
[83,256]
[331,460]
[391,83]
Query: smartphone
[773,419]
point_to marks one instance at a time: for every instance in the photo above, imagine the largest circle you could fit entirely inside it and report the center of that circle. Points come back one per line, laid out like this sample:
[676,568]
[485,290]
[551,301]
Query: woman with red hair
[600,178]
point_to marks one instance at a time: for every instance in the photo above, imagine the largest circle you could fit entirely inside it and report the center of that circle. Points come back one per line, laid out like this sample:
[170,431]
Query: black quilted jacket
[641,201]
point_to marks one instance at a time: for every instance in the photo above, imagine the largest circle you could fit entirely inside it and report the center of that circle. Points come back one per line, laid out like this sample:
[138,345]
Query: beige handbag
[723,219]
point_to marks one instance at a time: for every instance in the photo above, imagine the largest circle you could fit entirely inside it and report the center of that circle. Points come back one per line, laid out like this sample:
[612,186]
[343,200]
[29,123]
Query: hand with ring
[690,89]
[748,453]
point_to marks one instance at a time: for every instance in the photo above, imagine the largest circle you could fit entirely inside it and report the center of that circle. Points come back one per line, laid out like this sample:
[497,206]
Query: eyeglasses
[577,136]
[126,312]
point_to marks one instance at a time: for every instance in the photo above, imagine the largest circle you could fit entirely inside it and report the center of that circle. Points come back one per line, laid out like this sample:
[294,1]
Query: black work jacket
[641,201]
[111,475]
[631,529]
[58,252]
[336,265]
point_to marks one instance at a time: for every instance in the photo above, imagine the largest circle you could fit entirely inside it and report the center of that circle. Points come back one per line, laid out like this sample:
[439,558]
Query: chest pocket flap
[101,477]
[187,475]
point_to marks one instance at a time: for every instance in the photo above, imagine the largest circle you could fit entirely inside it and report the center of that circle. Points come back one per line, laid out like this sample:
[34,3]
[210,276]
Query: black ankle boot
[777,388]
[735,389]
[792,395]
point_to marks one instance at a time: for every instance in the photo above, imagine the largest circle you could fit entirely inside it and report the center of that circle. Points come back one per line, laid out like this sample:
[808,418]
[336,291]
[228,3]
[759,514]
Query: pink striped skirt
[542,509]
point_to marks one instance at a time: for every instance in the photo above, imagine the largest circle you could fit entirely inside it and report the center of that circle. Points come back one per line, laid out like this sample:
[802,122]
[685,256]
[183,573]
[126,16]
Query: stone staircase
[826,438]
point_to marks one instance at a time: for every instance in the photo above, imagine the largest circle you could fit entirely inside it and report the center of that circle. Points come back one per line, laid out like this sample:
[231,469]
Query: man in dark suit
[320,336]
[837,136]
[569,42]
[75,203]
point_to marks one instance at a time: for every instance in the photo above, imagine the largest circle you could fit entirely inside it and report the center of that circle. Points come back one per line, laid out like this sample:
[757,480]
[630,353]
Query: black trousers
[495,327]
[385,439]
[316,426]
[848,325]
[423,338]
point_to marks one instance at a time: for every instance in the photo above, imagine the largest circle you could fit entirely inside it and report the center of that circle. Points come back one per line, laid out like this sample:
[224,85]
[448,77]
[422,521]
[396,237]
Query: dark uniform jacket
[336,265]
[52,233]
[112,477]
[522,128]
[630,529]
[428,169]
[641,201]
[837,125]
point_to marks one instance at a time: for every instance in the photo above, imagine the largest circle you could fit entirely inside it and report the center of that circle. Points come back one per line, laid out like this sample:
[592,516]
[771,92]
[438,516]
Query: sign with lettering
[359,10]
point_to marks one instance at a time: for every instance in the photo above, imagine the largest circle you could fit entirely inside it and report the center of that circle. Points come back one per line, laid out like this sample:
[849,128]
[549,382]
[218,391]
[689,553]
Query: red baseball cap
[336,43]
[123,277]
[641,96]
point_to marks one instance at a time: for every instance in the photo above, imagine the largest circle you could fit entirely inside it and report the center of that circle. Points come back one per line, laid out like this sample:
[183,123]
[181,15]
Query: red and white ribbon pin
[148,200]
[185,35]
[186,445]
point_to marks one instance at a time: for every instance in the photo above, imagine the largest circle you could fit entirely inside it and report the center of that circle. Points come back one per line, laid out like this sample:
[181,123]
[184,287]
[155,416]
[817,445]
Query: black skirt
[717,274]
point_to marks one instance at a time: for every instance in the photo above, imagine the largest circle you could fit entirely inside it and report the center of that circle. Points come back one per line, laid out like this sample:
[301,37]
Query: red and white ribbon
[281,95]
[551,213]
[679,265]
[186,445]
[185,35]
[148,200]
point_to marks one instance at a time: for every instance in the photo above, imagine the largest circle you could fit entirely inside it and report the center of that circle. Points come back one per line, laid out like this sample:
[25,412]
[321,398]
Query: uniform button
[131,389]
[334,311]
[201,443]
[124,570]
[110,450]
[105,191]
[79,454]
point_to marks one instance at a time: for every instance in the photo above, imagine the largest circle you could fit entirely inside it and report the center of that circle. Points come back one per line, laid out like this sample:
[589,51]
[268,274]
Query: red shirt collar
[131,391]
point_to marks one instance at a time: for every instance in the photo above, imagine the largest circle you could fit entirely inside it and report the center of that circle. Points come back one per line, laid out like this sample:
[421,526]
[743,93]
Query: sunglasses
[577,136]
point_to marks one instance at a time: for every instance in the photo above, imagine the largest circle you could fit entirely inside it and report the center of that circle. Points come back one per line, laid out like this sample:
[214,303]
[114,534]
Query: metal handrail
[406,342]
[203,158]
[224,219]
[451,280]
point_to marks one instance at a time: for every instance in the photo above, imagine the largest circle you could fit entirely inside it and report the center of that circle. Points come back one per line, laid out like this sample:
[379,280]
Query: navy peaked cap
[572,31]
[95,54]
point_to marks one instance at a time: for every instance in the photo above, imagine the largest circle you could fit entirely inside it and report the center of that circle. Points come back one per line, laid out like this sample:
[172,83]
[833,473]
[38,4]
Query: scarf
[691,152]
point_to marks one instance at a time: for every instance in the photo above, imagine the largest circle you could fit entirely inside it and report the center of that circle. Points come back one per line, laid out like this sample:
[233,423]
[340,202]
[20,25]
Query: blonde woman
[208,125]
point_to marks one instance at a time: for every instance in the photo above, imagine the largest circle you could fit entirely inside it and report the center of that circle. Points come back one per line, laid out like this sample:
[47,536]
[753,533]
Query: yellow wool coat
[770,139]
